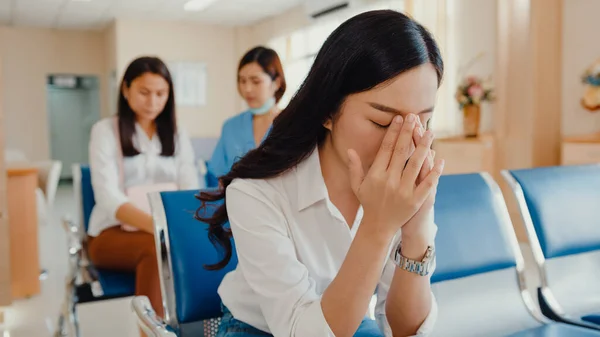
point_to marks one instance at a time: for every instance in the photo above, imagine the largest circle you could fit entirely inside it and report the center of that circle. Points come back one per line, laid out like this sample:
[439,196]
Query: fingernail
[398,119]
[420,131]
[410,118]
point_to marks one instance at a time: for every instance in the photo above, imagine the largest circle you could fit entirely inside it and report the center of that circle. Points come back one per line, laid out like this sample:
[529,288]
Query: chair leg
[74,320]
[61,330]
[68,322]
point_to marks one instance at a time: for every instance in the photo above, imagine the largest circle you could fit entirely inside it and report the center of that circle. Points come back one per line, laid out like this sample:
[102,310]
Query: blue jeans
[231,327]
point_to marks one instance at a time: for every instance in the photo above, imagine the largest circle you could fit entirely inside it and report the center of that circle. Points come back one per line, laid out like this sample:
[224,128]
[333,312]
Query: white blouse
[149,167]
[291,242]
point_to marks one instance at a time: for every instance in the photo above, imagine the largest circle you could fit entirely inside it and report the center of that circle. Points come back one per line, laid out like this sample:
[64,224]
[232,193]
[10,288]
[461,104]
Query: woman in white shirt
[337,203]
[142,147]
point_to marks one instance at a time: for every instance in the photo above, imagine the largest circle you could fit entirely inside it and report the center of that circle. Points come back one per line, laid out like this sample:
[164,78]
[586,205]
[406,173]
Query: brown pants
[117,249]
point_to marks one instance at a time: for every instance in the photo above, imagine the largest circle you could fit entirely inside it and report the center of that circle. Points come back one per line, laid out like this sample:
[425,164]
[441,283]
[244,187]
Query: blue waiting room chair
[560,207]
[191,304]
[85,283]
[479,282]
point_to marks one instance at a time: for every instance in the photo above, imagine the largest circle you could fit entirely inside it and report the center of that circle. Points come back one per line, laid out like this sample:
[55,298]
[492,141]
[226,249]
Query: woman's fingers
[417,161]
[429,185]
[384,155]
[419,130]
[357,174]
[417,135]
[402,150]
[427,166]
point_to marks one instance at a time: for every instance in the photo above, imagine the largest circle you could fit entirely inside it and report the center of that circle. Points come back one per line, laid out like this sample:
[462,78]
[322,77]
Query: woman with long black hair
[337,202]
[139,150]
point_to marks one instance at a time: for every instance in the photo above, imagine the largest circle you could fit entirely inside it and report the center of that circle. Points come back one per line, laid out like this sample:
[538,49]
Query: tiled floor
[36,317]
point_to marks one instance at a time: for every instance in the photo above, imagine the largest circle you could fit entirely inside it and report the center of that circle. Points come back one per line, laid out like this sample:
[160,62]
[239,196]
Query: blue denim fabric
[231,327]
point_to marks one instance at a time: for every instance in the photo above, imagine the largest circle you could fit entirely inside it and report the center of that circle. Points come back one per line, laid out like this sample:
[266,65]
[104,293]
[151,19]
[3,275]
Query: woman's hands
[393,191]
[420,230]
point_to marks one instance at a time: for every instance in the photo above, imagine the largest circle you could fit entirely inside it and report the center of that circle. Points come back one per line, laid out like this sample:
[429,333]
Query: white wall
[29,55]
[171,41]
[261,33]
[473,31]
[110,69]
[580,49]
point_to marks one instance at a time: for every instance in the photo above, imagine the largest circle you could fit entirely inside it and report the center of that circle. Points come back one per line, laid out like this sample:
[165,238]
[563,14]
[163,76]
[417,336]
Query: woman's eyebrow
[390,110]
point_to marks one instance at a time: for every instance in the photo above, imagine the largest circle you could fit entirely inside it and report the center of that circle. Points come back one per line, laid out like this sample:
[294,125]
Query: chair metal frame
[548,303]
[511,235]
[81,272]
[165,265]
[148,320]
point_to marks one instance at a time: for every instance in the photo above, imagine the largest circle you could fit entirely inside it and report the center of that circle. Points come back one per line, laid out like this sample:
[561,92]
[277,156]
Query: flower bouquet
[591,79]
[471,92]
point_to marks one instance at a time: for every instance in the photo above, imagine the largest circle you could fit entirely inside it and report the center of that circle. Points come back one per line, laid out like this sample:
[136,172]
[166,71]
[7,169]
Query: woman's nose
[154,100]
[246,87]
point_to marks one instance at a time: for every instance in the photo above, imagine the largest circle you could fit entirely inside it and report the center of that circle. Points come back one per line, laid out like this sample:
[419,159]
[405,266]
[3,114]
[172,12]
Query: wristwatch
[422,268]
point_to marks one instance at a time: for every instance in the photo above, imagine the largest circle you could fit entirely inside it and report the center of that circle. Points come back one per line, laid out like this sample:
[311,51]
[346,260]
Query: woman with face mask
[261,83]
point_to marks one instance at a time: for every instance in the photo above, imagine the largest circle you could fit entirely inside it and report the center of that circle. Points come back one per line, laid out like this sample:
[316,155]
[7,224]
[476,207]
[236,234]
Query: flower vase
[472,117]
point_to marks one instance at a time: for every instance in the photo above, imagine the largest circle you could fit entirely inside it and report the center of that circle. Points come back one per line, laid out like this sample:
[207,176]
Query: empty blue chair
[86,283]
[192,305]
[479,282]
[560,207]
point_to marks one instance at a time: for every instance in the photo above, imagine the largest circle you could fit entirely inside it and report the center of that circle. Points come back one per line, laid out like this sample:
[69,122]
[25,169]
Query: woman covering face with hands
[401,183]
[336,203]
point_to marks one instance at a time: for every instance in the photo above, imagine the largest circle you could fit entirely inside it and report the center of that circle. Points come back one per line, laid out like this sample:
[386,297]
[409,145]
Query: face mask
[264,108]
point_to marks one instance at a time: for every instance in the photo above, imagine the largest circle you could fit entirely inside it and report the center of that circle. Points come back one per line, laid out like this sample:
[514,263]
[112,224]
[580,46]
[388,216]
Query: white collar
[311,185]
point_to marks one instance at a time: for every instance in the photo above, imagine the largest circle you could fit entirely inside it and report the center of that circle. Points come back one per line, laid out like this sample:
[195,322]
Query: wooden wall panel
[5,291]
[528,79]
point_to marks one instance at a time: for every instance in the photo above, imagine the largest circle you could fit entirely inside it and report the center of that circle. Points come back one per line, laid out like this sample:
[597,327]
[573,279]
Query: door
[72,113]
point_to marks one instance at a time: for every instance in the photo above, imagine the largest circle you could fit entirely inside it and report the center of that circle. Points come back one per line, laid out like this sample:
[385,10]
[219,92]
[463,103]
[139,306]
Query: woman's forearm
[133,216]
[346,301]
[409,299]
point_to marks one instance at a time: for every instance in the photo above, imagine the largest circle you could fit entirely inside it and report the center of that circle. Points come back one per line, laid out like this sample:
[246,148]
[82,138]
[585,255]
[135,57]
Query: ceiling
[95,14]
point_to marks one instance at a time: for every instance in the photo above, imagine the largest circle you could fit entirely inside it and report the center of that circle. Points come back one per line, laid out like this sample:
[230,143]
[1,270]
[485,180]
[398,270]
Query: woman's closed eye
[380,125]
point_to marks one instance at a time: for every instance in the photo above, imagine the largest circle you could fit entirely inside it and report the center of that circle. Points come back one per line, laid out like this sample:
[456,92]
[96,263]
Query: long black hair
[166,125]
[270,63]
[362,53]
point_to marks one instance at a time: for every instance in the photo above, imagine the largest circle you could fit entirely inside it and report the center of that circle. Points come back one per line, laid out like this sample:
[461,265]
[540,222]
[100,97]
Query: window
[298,50]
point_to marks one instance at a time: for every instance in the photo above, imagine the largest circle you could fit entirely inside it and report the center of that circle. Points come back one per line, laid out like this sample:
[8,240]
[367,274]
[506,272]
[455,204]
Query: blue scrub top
[237,139]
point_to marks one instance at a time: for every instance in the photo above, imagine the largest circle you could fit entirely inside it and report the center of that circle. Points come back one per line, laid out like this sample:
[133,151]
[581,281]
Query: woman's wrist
[414,247]
[370,231]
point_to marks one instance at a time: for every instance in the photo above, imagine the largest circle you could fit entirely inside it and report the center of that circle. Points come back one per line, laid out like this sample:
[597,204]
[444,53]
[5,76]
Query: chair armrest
[152,325]
[48,178]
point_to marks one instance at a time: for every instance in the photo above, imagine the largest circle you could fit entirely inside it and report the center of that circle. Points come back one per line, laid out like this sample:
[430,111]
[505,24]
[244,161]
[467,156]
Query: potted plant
[591,79]
[470,94]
